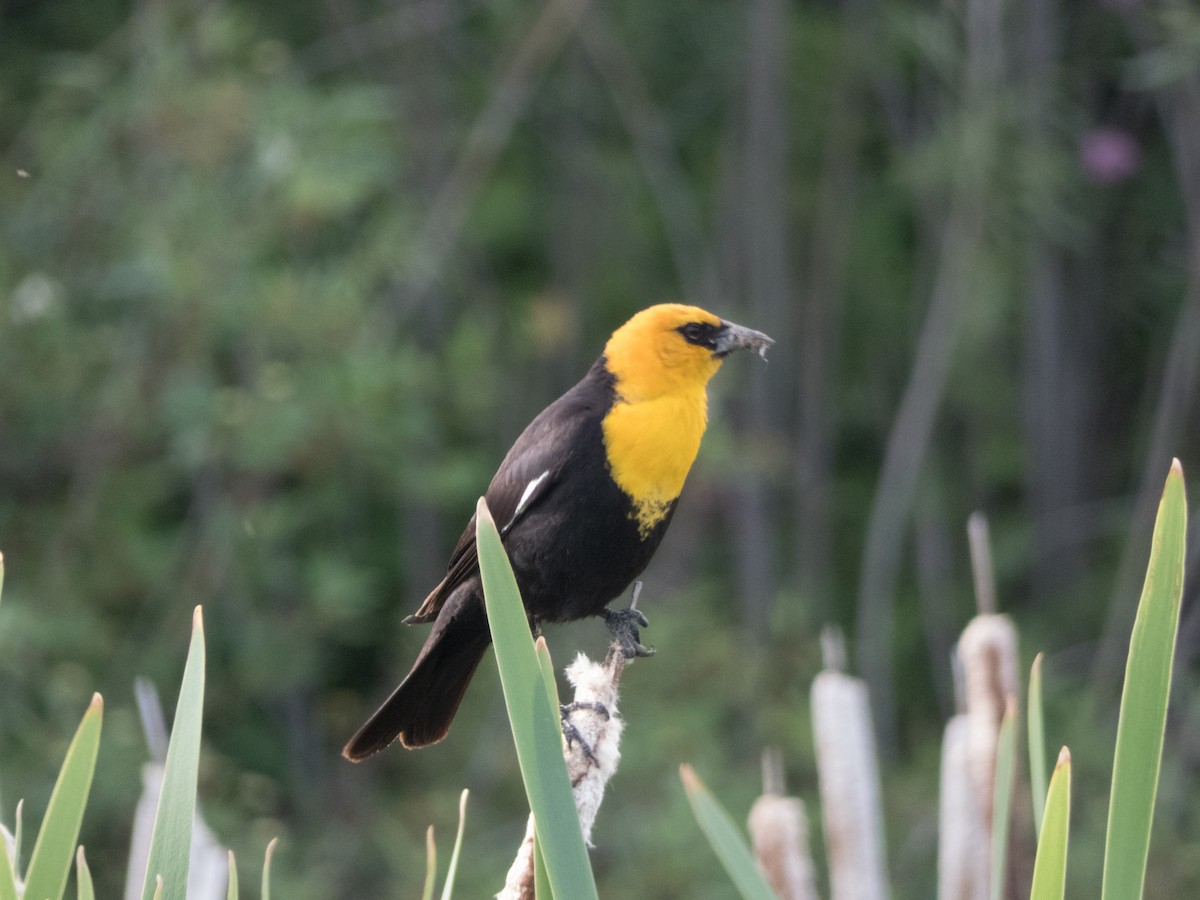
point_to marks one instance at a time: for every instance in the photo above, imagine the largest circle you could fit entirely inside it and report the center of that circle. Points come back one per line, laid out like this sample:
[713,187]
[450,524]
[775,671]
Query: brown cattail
[848,771]
[779,834]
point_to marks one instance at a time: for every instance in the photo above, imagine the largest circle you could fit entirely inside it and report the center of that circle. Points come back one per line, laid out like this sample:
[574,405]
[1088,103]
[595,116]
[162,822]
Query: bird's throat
[651,445]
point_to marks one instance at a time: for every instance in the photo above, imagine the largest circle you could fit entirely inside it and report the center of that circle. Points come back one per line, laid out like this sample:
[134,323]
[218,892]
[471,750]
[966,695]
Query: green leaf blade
[1037,744]
[1142,722]
[268,856]
[452,871]
[430,865]
[541,882]
[83,877]
[232,891]
[725,839]
[535,722]
[54,849]
[171,839]
[543,657]
[1006,754]
[8,878]
[1050,864]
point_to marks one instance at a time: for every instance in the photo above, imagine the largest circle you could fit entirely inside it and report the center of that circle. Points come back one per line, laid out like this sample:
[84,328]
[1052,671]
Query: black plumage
[582,500]
[574,545]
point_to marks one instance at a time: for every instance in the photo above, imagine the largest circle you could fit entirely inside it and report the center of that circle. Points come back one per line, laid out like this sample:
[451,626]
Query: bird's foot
[624,625]
[599,708]
[571,733]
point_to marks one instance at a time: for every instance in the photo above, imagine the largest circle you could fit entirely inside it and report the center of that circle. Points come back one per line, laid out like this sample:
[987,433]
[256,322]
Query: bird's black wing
[532,469]
[464,562]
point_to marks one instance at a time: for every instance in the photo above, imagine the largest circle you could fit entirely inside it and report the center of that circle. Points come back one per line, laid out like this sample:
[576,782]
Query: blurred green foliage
[228,376]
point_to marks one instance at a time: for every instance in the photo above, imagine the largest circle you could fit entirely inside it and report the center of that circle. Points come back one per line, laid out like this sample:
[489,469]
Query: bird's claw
[624,625]
[571,734]
[595,706]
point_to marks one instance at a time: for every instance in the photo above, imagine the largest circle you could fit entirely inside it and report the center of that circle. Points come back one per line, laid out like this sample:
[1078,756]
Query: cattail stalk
[779,834]
[591,758]
[848,770]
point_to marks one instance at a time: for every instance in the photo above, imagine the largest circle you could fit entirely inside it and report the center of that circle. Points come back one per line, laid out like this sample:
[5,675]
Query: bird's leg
[571,734]
[624,625]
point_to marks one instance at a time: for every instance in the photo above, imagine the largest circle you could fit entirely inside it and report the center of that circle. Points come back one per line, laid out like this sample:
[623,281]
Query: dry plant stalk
[962,838]
[985,678]
[595,686]
[988,651]
[848,771]
[779,833]
[987,666]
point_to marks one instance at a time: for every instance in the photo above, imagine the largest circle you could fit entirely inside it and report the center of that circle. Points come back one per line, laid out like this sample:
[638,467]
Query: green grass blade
[1006,755]
[540,878]
[725,838]
[232,892]
[19,834]
[1050,865]
[535,721]
[452,872]
[267,857]
[430,865]
[171,839]
[1037,744]
[1140,727]
[541,881]
[83,877]
[54,849]
[1,575]
[8,877]
[543,657]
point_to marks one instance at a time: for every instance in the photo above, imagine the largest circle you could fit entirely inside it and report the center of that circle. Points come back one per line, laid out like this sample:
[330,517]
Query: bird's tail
[420,710]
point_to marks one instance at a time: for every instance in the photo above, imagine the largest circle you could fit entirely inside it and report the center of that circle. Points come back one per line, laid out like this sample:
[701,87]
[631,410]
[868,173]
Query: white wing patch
[527,495]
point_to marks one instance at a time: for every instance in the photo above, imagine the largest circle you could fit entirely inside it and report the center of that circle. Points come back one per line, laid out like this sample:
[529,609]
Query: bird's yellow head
[673,348]
[661,361]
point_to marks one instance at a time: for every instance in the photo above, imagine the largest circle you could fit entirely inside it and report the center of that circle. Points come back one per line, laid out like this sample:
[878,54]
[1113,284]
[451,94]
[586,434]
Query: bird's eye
[694,332]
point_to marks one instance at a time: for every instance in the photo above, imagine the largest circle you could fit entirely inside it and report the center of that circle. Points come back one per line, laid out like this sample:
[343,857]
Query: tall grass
[1136,763]
[562,868]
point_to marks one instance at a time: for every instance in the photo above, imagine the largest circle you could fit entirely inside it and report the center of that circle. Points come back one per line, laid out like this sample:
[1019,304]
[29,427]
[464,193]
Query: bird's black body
[574,545]
[581,500]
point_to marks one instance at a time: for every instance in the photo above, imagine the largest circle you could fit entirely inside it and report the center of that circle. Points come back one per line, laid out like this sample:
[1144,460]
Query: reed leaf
[1037,744]
[725,838]
[54,849]
[534,719]
[1050,864]
[171,839]
[1143,717]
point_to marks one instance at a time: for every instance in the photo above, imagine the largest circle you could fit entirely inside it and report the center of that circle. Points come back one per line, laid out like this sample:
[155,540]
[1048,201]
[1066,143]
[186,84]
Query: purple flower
[1109,155]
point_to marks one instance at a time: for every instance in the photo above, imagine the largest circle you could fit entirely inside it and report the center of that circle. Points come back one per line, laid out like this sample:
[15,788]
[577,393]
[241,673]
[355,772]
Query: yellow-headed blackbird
[582,500]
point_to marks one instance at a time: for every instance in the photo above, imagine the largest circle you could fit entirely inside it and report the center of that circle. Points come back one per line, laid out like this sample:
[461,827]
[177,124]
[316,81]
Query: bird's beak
[736,337]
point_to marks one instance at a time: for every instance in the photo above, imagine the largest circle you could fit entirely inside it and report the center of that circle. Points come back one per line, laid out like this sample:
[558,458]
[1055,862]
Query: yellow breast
[651,445]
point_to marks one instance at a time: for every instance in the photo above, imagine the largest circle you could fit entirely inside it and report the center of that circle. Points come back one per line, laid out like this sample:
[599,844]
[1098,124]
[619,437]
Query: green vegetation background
[276,293]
